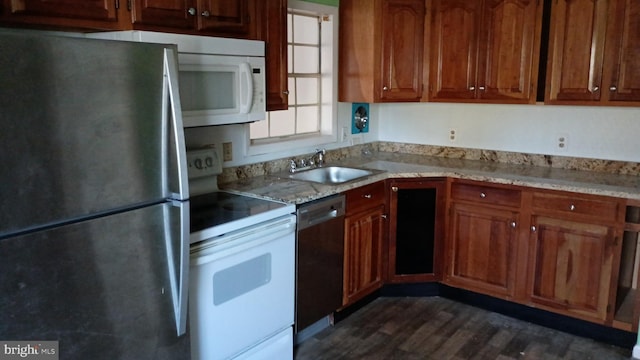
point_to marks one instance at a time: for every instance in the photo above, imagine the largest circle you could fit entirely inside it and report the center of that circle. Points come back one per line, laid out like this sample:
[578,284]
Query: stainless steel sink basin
[330,175]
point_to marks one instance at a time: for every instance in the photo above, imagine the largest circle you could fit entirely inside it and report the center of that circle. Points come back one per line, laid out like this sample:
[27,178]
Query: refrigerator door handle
[179,276]
[177,126]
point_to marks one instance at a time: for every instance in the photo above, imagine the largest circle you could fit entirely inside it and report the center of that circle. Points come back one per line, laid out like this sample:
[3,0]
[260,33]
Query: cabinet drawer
[365,197]
[485,194]
[602,209]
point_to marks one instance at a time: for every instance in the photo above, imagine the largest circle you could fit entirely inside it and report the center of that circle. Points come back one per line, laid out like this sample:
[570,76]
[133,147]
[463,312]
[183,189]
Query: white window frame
[329,79]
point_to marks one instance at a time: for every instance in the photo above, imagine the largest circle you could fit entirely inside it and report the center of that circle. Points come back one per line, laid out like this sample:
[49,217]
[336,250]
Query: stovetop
[217,213]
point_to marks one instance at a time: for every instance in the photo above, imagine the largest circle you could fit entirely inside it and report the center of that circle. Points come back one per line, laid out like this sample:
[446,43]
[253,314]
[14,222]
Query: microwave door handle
[246,88]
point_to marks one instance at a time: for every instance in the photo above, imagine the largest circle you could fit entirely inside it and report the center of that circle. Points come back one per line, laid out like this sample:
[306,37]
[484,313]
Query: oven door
[242,288]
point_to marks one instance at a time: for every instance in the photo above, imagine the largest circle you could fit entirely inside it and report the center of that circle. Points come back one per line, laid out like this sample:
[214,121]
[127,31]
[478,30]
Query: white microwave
[221,80]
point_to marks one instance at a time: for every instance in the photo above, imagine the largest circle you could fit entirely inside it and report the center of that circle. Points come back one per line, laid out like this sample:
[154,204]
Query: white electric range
[242,273]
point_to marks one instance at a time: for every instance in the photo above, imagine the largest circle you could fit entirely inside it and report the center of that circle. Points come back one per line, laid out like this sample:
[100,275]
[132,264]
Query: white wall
[610,133]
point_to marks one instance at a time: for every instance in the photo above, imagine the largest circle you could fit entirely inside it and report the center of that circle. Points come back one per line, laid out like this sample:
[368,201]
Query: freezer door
[88,126]
[108,288]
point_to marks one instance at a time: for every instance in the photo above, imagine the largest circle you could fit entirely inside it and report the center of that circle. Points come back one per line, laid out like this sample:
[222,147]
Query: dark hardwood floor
[408,328]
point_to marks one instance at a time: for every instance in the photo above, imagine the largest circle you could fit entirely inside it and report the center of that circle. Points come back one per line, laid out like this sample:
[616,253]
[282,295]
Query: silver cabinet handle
[596,88]
[384,216]
[384,88]
[191,11]
[513,224]
[394,188]
[367,196]
[572,207]
[286,92]
[533,229]
[613,88]
[481,88]
[483,195]
[205,13]
[471,88]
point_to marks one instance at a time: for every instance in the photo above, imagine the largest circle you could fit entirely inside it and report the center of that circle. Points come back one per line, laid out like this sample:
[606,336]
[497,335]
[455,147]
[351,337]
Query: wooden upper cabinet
[623,49]
[576,50]
[594,51]
[455,28]
[170,13]
[274,34]
[97,14]
[228,18]
[401,71]
[484,50]
[381,50]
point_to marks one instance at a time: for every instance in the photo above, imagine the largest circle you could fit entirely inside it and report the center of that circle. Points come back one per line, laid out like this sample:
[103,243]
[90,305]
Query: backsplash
[276,166]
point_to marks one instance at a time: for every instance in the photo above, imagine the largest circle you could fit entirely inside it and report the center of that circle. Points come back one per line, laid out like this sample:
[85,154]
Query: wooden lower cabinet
[483,249]
[364,238]
[571,266]
[363,254]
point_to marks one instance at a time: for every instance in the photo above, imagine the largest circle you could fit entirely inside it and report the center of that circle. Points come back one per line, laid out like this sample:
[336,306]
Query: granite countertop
[398,165]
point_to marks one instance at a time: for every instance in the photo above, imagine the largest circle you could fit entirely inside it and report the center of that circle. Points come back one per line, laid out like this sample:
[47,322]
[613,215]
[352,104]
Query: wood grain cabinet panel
[484,50]
[381,50]
[364,233]
[274,34]
[94,14]
[594,51]
[228,18]
[364,239]
[572,267]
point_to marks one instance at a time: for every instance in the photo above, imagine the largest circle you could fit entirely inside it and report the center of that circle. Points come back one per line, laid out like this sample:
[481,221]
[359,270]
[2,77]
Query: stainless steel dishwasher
[319,260]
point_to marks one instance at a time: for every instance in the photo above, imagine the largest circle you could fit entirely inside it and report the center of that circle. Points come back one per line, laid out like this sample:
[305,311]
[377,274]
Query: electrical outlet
[563,141]
[452,135]
[227,151]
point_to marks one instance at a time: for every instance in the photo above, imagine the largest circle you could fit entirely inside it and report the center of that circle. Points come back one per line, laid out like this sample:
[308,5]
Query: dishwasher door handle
[327,216]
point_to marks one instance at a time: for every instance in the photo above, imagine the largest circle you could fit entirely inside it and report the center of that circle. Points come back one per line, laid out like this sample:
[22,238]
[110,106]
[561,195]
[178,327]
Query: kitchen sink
[330,175]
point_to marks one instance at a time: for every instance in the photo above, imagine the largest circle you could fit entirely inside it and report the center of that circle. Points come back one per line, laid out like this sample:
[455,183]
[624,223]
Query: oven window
[207,90]
[240,279]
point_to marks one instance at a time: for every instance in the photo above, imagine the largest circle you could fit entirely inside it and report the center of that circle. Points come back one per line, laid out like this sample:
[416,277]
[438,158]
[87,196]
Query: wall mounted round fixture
[361,117]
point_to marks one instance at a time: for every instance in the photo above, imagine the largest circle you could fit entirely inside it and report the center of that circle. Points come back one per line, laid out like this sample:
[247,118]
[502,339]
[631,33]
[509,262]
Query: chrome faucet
[316,160]
[319,156]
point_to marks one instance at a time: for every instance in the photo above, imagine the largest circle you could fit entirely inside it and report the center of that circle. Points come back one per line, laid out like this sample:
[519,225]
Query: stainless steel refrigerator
[94,213]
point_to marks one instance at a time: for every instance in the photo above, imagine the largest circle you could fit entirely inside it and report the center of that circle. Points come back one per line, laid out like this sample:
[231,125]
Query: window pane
[305,30]
[307,91]
[292,90]
[260,129]
[307,119]
[289,28]
[305,60]
[282,122]
[290,59]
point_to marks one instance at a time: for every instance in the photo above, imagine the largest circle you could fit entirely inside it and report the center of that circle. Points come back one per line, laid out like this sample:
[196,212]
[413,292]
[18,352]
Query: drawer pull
[384,216]
[513,224]
[367,196]
[394,188]
[572,207]
[483,195]
[533,229]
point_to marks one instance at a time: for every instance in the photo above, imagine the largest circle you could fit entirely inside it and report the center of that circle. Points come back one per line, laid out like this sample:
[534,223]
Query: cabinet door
[363,254]
[455,28]
[507,68]
[576,50]
[402,47]
[168,13]
[275,37]
[571,266]
[84,9]
[416,218]
[483,248]
[229,16]
[623,49]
